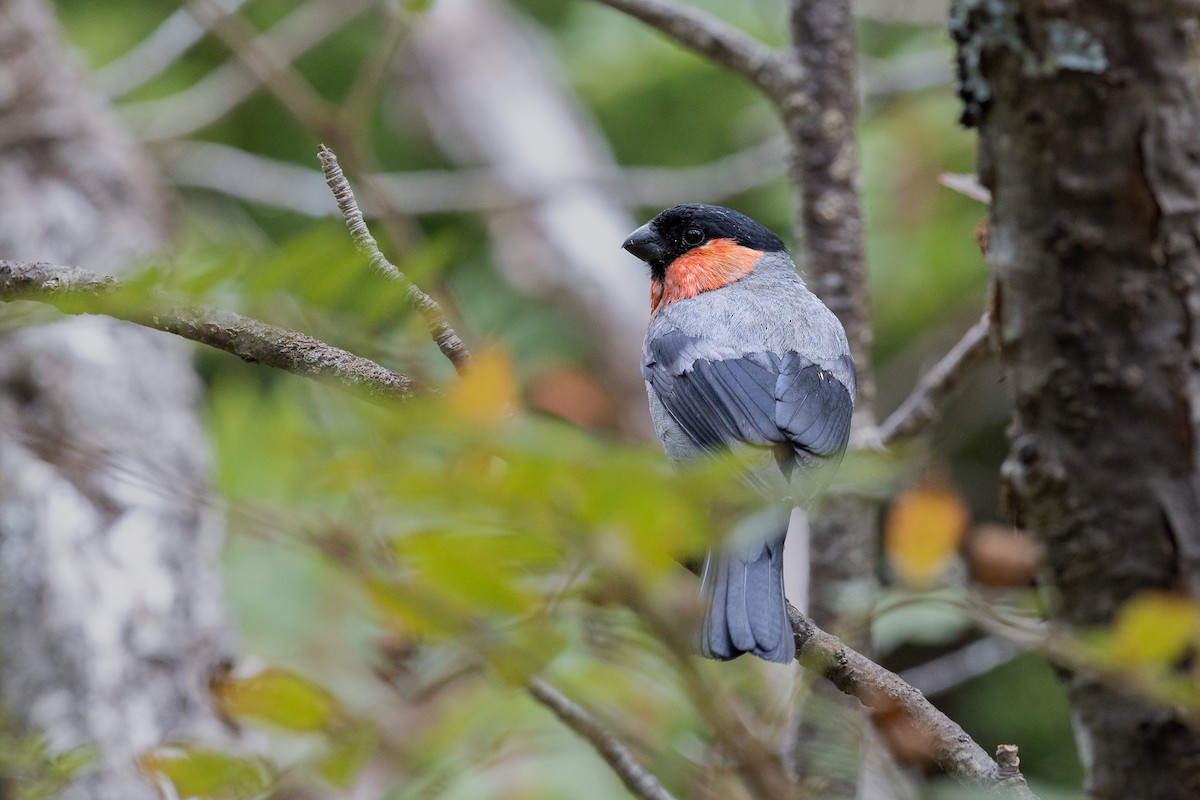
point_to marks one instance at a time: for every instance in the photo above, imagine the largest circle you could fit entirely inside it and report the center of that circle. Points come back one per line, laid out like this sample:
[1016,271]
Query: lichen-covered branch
[636,777]
[248,339]
[885,693]
[435,318]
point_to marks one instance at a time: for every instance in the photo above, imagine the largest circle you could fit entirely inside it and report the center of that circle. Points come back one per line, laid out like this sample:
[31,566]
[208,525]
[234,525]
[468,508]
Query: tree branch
[921,407]
[283,184]
[229,84]
[635,777]
[154,54]
[717,41]
[959,666]
[884,692]
[248,339]
[435,319]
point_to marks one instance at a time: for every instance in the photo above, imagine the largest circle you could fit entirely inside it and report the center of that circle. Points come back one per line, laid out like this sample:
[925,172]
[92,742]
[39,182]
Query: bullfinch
[739,353]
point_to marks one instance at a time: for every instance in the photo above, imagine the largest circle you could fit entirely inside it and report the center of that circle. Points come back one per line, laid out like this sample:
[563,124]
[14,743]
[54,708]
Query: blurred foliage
[396,572]
[922,532]
[31,770]
[195,771]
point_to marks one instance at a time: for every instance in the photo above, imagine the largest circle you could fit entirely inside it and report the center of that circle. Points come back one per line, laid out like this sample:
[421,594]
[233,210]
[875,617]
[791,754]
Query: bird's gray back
[770,310]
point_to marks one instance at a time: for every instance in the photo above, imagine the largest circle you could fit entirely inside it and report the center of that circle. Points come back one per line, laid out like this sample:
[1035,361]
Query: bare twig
[283,184]
[156,53]
[636,778]
[246,338]
[232,82]
[959,666]
[439,328]
[921,406]
[967,185]
[884,692]
[716,40]
[270,67]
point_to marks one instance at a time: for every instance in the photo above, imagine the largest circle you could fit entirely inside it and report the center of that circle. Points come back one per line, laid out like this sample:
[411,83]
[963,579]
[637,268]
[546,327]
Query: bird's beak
[645,244]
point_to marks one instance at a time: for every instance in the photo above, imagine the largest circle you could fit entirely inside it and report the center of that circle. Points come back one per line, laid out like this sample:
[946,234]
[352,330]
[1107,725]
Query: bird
[740,353]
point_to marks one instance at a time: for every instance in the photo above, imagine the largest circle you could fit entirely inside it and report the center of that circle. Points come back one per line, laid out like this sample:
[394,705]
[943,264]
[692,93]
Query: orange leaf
[924,528]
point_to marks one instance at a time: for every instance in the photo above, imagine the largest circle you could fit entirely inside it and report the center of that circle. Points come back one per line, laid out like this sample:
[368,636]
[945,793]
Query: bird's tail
[745,610]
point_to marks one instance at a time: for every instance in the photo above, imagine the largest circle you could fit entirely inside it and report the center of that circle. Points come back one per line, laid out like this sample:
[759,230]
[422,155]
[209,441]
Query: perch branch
[716,40]
[635,777]
[884,692]
[76,291]
[439,328]
[920,408]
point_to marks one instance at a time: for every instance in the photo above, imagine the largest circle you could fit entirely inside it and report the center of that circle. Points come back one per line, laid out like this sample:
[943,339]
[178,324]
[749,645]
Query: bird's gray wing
[762,398]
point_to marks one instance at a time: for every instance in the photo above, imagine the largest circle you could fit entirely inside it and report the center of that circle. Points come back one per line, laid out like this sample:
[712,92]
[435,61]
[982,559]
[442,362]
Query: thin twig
[270,67]
[959,666]
[439,328]
[248,339]
[284,184]
[230,83]
[883,691]
[921,407]
[154,54]
[637,779]
[717,40]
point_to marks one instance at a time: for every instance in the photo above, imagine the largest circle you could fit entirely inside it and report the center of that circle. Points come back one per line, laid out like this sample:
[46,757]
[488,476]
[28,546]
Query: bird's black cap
[680,228]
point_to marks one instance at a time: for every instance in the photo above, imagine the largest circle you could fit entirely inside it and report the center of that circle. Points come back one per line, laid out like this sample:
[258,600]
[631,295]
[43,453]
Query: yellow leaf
[278,697]
[923,531]
[1155,628]
[487,393]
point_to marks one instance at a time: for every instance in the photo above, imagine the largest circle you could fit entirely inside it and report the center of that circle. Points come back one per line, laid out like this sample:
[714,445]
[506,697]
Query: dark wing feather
[814,407]
[763,399]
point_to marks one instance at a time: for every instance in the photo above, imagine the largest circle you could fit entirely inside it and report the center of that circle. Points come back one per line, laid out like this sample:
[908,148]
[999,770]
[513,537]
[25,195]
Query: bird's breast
[711,266]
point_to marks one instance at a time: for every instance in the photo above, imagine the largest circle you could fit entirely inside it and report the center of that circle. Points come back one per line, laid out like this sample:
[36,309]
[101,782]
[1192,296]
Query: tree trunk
[1088,122]
[824,171]
[110,606]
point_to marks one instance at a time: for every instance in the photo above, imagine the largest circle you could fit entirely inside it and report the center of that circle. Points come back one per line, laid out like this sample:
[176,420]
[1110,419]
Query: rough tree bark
[110,603]
[1088,114]
[824,172]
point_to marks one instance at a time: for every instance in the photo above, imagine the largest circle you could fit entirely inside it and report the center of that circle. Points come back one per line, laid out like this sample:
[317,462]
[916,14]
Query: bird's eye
[693,236]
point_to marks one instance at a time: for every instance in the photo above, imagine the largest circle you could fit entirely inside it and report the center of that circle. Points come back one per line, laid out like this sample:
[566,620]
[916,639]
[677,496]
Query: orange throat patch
[702,269]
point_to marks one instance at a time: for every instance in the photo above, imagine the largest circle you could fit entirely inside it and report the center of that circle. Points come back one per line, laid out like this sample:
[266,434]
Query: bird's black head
[680,228]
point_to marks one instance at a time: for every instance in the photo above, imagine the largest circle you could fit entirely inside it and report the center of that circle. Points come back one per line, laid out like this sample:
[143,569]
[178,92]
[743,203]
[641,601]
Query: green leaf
[279,697]
[208,774]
